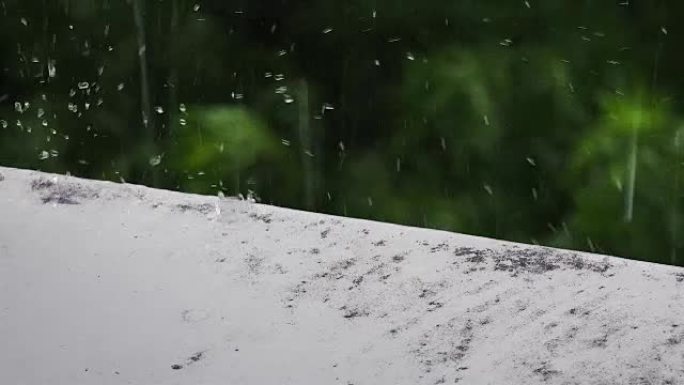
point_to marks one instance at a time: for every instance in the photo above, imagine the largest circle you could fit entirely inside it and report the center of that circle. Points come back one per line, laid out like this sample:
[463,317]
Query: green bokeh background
[558,123]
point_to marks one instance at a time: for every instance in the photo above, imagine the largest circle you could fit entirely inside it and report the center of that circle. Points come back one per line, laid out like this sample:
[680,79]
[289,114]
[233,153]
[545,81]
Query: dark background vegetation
[550,122]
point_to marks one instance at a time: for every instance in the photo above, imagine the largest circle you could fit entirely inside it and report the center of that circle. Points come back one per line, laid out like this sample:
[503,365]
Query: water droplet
[410,56]
[531,161]
[155,160]
[52,69]
[489,189]
[288,99]
[182,108]
[327,30]
[663,30]
[83,85]
[120,87]
[43,155]
[285,142]
[159,110]
[182,122]
[196,8]
[24,21]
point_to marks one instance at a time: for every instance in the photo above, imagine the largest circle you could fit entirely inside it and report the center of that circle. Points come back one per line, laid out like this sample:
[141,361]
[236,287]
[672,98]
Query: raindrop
[43,155]
[506,42]
[531,161]
[663,30]
[370,201]
[83,85]
[196,8]
[120,87]
[155,160]
[182,122]
[44,123]
[327,107]
[341,146]
[410,56]
[41,112]
[159,110]
[285,142]
[489,189]
[182,108]
[288,99]
[52,70]
[24,22]
[3,123]
[327,30]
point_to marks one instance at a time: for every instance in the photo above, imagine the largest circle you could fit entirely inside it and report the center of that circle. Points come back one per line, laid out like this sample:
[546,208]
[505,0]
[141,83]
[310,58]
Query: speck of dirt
[398,258]
[196,357]
[176,367]
[379,243]
[324,233]
[61,193]
[679,277]
[266,218]
[204,208]
[545,372]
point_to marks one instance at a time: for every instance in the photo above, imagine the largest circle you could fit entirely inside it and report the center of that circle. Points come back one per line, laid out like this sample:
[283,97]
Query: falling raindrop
[155,160]
[182,108]
[288,99]
[83,85]
[159,110]
[285,142]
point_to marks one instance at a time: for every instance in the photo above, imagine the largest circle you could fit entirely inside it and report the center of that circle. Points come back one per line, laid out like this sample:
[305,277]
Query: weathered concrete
[102,283]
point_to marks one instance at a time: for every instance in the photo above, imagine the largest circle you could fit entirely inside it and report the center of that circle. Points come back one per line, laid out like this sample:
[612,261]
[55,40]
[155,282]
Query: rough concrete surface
[104,283]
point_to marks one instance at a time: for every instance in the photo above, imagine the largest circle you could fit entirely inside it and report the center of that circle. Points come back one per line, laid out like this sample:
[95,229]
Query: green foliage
[550,122]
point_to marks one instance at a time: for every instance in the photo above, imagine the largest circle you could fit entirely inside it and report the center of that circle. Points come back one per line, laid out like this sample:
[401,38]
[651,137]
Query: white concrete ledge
[102,283]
